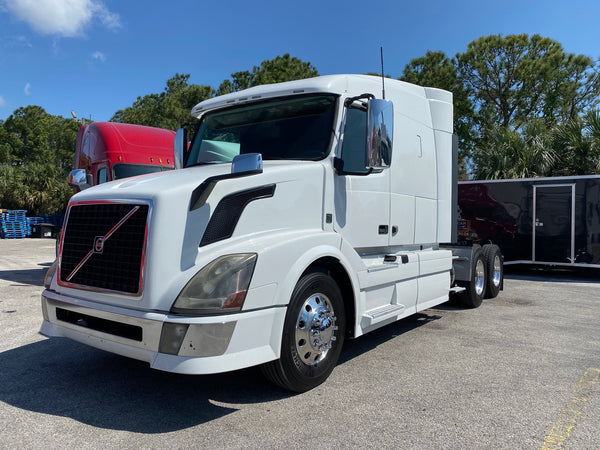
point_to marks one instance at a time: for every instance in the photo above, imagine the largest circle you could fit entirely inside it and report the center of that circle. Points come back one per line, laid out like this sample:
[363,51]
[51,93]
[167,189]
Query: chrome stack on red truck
[299,215]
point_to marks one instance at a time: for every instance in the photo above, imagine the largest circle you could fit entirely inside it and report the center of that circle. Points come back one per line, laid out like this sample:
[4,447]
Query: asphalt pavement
[520,372]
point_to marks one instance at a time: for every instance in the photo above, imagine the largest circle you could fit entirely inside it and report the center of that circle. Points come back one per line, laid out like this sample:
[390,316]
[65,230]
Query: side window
[102,176]
[86,144]
[355,141]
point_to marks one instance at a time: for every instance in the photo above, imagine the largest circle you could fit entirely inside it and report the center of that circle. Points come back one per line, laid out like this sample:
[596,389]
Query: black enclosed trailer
[546,221]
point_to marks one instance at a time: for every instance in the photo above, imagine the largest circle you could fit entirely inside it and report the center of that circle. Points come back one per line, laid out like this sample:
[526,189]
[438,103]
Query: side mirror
[79,179]
[380,129]
[248,162]
[179,147]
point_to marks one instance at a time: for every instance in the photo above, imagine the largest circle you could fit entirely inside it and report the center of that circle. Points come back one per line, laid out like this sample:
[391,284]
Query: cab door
[362,199]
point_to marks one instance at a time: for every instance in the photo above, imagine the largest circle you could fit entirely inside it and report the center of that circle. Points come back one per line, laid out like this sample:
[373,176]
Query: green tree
[435,69]
[239,81]
[37,188]
[36,155]
[169,109]
[146,110]
[516,83]
[509,77]
[512,79]
[31,135]
[515,154]
[7,145]
[577,144]
[574,89]
[277,70]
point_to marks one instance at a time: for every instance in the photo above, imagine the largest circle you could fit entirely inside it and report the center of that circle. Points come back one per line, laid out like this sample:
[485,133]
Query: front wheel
[313,334]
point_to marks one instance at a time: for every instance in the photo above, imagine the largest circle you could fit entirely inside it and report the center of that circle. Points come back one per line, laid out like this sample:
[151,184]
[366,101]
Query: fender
[286,255]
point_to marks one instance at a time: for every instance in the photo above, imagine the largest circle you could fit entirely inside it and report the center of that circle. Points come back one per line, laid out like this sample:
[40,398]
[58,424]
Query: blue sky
[95,57]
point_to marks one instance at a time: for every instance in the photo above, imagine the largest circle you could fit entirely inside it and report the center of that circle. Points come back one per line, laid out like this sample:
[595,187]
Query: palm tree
[506,153]
[577,143]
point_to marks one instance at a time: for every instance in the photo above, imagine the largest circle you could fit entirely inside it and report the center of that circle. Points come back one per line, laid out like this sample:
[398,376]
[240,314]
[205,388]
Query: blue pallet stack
[14,224]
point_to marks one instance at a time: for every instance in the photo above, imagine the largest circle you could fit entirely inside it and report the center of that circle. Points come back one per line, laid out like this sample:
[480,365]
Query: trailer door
[554,223]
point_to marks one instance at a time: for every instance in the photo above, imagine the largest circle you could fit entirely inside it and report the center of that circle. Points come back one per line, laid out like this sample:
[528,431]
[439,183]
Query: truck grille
[103,246]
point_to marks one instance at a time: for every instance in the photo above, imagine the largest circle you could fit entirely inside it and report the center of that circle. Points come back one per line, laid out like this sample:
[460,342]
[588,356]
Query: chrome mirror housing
[179,146]
[79,179]
[380,128]
[248,162]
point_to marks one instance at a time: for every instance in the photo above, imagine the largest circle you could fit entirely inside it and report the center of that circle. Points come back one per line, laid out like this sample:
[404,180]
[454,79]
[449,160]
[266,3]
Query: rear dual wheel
[495,270]
[474,291]
[487,276]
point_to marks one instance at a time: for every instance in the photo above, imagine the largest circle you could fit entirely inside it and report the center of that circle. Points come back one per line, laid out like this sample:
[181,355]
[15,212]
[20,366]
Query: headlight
[219,287]
[50,275]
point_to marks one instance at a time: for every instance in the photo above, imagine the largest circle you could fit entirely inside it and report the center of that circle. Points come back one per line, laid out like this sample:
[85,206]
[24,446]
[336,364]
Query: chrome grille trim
[119,265]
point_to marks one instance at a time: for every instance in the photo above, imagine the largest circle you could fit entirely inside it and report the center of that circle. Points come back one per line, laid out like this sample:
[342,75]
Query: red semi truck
[107,151]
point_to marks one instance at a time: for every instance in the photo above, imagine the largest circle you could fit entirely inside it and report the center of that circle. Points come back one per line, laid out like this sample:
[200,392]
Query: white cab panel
[425,220]
[413,175]
[443,141]
[362,205]
[434,280]
[402,216]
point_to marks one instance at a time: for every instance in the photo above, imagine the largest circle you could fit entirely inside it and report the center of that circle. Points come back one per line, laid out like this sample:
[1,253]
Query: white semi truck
[302,213]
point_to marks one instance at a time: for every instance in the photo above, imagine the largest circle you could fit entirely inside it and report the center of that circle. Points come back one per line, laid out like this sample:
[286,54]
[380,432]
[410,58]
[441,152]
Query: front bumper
[173,343]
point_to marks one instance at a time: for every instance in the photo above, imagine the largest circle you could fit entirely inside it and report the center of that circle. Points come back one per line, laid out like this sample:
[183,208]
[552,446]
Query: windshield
[132,170]
[294,128]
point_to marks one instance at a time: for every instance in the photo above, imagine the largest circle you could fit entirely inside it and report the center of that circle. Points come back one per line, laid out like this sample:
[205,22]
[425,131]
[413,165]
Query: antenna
[382,72]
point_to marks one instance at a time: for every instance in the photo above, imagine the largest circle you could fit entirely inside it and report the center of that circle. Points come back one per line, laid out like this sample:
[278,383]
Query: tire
[495,270]
[313,334]
[475,289]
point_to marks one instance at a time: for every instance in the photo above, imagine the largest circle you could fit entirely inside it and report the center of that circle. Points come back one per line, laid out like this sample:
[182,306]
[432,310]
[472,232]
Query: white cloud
[27,89]
[2,102]
[10,42]
[109,19]
[65,18]
[99,56]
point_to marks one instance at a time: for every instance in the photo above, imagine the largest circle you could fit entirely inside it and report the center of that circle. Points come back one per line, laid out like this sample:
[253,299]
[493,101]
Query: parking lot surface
[521,371]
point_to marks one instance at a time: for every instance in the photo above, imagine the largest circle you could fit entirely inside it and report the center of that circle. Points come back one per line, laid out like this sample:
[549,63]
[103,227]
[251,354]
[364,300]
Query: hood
[176,246]
[147,186]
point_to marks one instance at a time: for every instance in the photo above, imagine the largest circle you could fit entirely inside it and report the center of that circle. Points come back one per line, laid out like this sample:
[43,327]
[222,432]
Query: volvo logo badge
[99,244]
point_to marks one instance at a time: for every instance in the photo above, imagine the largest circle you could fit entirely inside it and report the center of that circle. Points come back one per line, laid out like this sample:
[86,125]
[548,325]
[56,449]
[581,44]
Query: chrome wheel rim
[479,277]
[315,329]
[497,271]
